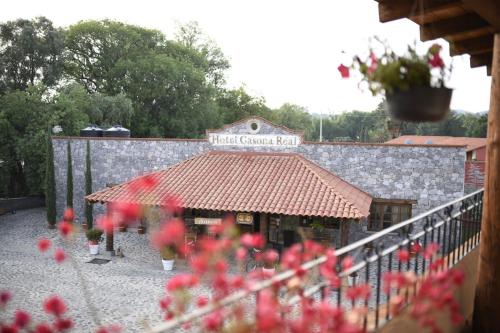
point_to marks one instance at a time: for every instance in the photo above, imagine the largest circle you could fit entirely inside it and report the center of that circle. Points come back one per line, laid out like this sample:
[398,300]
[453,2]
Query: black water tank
[91,131]
[117,131]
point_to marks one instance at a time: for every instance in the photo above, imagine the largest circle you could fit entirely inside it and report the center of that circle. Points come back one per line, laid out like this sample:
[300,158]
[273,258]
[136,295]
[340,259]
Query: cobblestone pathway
[124,291]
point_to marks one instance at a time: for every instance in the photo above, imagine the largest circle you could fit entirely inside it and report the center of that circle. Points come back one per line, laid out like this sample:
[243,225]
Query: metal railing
[455,226]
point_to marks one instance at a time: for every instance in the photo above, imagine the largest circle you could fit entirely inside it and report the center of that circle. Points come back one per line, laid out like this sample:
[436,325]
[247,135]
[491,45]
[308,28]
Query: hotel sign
[254,140]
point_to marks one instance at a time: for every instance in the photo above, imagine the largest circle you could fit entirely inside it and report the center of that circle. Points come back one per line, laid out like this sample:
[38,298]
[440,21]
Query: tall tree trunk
[487,299]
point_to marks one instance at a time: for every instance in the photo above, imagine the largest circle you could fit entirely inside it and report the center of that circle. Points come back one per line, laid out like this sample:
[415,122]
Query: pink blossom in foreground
[69,215]
[59,255]
[54,305]
[344,71]
[44,244]
[171,233]
[21,318]
[5,297]
[65,228]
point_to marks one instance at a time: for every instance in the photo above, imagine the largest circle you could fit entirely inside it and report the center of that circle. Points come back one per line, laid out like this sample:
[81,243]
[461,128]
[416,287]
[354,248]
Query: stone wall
[431,175]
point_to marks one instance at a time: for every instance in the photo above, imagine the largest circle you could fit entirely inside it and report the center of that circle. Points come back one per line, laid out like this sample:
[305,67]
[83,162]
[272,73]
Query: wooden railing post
[487,299]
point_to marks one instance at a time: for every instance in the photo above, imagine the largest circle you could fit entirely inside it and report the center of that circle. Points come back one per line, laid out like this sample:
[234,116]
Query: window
[385,213]
[474,155]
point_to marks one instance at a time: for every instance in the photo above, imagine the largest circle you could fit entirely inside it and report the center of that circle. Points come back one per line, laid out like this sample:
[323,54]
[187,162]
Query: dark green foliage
[69,178]
[50,184]
[30,53]
[94,235]
[88,188]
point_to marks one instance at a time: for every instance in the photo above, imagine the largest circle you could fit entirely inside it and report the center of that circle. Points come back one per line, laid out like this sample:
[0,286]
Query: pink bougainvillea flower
[63,324]
[362,291]
[43,328]
[436,61]
[5,297]
[181,281]
[44,244]
[268,312]
[21,318]
[171,233]
[127,211]
[109,329]
[59,255]
[8,328]
[270,256]
[403,255]
[201,301]
[144,183]
[106,224]
[69,215]
[213,321]
[431,250]
[344,71]
[54,305]
[373,63]
[416,247]
[173,205]
[65,228]
[253,240]
[165,302]
[241,254]
[347,263]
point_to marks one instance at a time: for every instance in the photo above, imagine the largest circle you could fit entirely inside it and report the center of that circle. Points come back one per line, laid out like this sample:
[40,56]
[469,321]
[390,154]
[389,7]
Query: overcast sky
[285,51]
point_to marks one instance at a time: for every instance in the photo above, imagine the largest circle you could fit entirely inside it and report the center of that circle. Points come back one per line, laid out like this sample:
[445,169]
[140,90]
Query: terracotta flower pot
[122,228]
[419,103]
[141,230]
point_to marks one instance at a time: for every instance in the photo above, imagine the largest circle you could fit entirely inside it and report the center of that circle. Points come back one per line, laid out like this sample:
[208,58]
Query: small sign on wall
[244,218]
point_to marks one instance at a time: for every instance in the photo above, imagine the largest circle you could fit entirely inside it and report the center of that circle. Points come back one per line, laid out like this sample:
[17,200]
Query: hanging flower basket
[413,84]
[419,104]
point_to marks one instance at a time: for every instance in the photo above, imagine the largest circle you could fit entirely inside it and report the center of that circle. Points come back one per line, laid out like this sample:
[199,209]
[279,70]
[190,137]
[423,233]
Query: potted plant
[94,236]
[168,254]
[413,84]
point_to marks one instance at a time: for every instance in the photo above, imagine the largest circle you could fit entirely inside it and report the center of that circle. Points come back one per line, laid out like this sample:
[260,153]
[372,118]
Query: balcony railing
[455,226]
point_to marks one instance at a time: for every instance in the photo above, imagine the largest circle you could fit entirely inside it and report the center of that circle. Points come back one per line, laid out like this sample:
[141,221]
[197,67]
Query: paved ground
[124,291]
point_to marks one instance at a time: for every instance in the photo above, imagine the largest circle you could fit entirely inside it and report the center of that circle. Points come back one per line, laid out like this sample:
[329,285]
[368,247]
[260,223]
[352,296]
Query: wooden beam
[488,9]
[472,46]
[398,9]
[487,298]
[456,28]
[482,59]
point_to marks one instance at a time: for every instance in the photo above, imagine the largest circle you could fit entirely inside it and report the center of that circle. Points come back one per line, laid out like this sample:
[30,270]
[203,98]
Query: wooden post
[109,236]
[344,232]
[264,222]
[487,298]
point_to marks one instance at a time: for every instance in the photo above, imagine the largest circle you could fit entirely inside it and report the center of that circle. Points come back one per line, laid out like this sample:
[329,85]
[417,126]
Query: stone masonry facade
[429,175]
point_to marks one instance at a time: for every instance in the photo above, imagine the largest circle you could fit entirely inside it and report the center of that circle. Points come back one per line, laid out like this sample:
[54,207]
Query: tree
[25,117]
[50,184]
[88,188]
[208,57]
[99,51]
[69,178]
[295,117]
[237,104]
[110,110]
[30,53]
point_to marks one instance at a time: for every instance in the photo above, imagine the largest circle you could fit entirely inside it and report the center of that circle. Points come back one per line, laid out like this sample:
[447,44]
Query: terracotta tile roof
[471,143]
[273,183]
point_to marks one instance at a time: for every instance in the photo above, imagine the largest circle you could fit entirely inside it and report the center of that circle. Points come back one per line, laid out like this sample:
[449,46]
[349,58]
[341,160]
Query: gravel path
[124,291]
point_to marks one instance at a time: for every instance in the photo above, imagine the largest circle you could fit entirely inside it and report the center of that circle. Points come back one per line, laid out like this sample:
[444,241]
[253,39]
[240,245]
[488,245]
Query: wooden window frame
[379,206]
